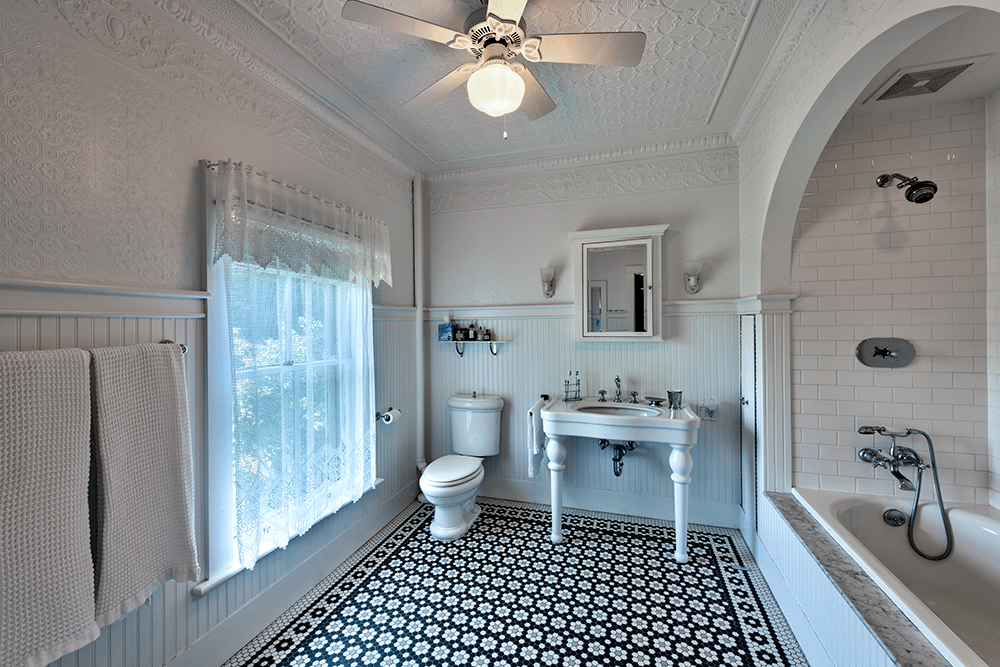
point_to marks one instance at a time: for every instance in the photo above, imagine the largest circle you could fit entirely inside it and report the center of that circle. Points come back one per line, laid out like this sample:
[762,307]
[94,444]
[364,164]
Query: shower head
[918,192]
[921,192]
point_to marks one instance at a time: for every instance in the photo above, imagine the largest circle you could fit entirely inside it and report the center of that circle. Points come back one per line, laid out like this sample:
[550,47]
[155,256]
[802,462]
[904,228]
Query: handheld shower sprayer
[905,456]
[918,192]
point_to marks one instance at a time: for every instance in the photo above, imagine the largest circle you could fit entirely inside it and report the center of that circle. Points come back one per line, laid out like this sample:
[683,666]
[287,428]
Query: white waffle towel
[145,491]
[536,437]
[46,571]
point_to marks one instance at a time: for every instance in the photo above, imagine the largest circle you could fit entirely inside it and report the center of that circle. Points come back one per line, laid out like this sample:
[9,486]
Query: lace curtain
[262,220]
[296,271]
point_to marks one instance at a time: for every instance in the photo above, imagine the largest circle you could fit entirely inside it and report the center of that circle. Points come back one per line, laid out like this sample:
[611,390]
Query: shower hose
[916,499]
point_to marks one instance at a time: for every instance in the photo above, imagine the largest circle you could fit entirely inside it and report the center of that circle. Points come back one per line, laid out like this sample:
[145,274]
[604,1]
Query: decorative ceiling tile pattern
[690,45]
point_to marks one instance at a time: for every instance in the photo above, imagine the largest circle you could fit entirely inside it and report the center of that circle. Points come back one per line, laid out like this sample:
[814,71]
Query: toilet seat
[452,470]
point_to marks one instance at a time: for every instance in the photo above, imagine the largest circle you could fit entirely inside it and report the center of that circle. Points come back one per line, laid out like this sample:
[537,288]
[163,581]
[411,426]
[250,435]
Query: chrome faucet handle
[909,457]
[633,395]
[655,401]
[602,399]
[876,458]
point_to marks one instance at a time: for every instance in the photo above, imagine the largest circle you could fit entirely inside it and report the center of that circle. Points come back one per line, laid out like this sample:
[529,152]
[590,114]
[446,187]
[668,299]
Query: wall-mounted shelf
[460,345]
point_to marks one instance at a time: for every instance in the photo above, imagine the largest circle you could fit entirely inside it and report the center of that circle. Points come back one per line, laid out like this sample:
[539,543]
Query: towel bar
[167,341]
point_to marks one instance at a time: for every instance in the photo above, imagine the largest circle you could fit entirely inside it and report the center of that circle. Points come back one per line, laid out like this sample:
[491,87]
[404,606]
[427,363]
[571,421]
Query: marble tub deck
[904,643]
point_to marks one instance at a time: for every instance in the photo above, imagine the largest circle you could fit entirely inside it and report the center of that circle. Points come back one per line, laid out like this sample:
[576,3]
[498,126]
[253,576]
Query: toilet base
[453,521]
[455,505]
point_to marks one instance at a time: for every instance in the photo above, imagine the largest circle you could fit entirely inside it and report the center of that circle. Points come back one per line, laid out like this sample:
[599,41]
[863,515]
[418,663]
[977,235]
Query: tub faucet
[618,389]
[890,463]
[898,455]
[904,483]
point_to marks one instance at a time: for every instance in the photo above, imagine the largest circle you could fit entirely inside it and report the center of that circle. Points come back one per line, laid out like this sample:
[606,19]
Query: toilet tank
[475,424]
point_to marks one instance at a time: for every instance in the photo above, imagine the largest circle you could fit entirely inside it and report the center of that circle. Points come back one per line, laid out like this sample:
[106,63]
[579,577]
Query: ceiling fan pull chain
[505,126]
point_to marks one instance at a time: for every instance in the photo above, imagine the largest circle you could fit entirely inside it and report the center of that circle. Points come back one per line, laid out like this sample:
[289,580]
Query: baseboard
[615,502]
[223,641]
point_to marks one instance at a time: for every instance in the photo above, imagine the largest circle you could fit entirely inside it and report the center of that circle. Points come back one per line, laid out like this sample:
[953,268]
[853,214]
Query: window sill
[207,586]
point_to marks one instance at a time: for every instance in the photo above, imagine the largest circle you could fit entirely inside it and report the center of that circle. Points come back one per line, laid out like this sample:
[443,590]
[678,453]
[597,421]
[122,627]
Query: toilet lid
[452,469]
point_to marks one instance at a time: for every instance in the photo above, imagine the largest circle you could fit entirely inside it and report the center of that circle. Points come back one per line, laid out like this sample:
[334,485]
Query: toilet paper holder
[389,416]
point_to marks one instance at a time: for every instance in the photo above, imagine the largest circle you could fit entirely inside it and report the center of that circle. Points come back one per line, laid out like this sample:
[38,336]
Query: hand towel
[144,491]
[536,437]
[46,571]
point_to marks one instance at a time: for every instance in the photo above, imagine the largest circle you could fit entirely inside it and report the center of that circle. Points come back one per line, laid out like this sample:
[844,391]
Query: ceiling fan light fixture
[495,89]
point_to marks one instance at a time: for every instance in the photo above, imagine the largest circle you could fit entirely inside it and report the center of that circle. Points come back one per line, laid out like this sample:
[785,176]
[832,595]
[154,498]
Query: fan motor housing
[479,30]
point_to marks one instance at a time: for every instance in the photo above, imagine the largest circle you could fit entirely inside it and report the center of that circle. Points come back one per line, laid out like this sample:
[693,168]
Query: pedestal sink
[591,418]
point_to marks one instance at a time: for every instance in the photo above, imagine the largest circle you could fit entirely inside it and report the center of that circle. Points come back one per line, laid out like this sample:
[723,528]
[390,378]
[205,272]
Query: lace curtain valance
[264,221]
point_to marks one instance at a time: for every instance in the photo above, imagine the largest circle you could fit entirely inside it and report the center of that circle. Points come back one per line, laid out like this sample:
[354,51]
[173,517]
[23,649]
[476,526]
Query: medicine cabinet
[617,283]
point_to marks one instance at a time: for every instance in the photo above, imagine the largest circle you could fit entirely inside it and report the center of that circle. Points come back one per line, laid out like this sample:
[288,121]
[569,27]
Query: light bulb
[495,89]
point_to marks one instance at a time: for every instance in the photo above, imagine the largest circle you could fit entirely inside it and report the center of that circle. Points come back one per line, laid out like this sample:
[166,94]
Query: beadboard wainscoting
[700,356]
[829,629]
[176,625]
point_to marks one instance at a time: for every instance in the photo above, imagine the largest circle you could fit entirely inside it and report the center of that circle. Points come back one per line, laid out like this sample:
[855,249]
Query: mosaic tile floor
[505,596]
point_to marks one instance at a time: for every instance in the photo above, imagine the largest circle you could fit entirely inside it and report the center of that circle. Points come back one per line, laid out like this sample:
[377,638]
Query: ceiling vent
[924,79]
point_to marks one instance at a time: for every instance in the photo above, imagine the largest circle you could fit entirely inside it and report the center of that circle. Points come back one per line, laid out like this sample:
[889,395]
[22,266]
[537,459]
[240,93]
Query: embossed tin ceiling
[700,61]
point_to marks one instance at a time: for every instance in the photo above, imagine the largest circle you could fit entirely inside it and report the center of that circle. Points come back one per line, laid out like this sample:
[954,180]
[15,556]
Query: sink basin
[626,410]
[590,418]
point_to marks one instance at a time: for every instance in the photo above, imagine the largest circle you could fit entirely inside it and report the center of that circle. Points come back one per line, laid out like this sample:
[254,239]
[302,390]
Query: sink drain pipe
[618,459]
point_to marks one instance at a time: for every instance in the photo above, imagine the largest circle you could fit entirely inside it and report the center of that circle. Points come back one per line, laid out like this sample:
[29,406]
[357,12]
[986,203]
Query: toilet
[451,483]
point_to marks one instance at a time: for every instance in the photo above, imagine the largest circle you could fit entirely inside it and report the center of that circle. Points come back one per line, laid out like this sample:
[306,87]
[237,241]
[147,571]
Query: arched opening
[831,392]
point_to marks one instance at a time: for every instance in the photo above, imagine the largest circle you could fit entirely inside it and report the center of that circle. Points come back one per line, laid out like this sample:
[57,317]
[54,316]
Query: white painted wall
[485,245]
[487,239]
[699,357]
[101,142]
[867,263]
[101,150]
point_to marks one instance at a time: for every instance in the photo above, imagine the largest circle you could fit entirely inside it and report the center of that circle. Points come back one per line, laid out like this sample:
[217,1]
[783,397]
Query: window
[291,382]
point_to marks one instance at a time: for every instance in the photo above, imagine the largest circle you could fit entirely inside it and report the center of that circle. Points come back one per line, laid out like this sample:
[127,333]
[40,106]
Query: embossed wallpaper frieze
[174,49]
[635,176]
[106,110]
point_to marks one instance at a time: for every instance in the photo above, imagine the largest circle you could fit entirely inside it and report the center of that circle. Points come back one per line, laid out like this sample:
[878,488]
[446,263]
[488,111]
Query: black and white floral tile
[505,596]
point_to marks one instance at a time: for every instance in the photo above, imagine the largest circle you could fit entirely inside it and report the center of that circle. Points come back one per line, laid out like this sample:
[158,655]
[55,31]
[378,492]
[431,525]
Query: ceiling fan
[495,35]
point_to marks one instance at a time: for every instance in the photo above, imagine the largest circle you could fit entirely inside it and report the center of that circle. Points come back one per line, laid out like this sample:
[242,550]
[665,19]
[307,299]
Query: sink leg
[556,452]
[681,464]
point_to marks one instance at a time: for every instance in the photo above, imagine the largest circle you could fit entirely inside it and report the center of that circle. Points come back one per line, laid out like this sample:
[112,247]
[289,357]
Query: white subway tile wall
[992,460]
[867,263]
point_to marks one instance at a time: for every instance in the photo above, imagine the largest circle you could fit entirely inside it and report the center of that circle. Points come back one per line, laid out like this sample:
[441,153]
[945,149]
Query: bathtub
[954,602]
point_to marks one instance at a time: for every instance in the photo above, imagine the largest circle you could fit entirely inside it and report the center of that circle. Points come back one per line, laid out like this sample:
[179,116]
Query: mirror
[616,273]
[618,284]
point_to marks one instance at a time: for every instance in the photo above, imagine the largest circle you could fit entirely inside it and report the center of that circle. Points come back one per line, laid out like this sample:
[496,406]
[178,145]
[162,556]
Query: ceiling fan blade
[623,49]
[536,102]
[440,88]
[509,10]
[379,17]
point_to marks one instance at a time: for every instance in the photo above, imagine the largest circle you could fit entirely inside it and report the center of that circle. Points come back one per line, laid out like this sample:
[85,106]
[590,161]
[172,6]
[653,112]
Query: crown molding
[583,177]
[799,24]
[590,158]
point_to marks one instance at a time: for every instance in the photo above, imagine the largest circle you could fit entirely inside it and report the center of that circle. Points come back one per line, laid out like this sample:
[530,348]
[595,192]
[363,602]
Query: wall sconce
[692,280]
[548,281]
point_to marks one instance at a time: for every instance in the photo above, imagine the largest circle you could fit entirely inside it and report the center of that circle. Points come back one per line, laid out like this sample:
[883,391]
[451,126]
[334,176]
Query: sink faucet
[618,389]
